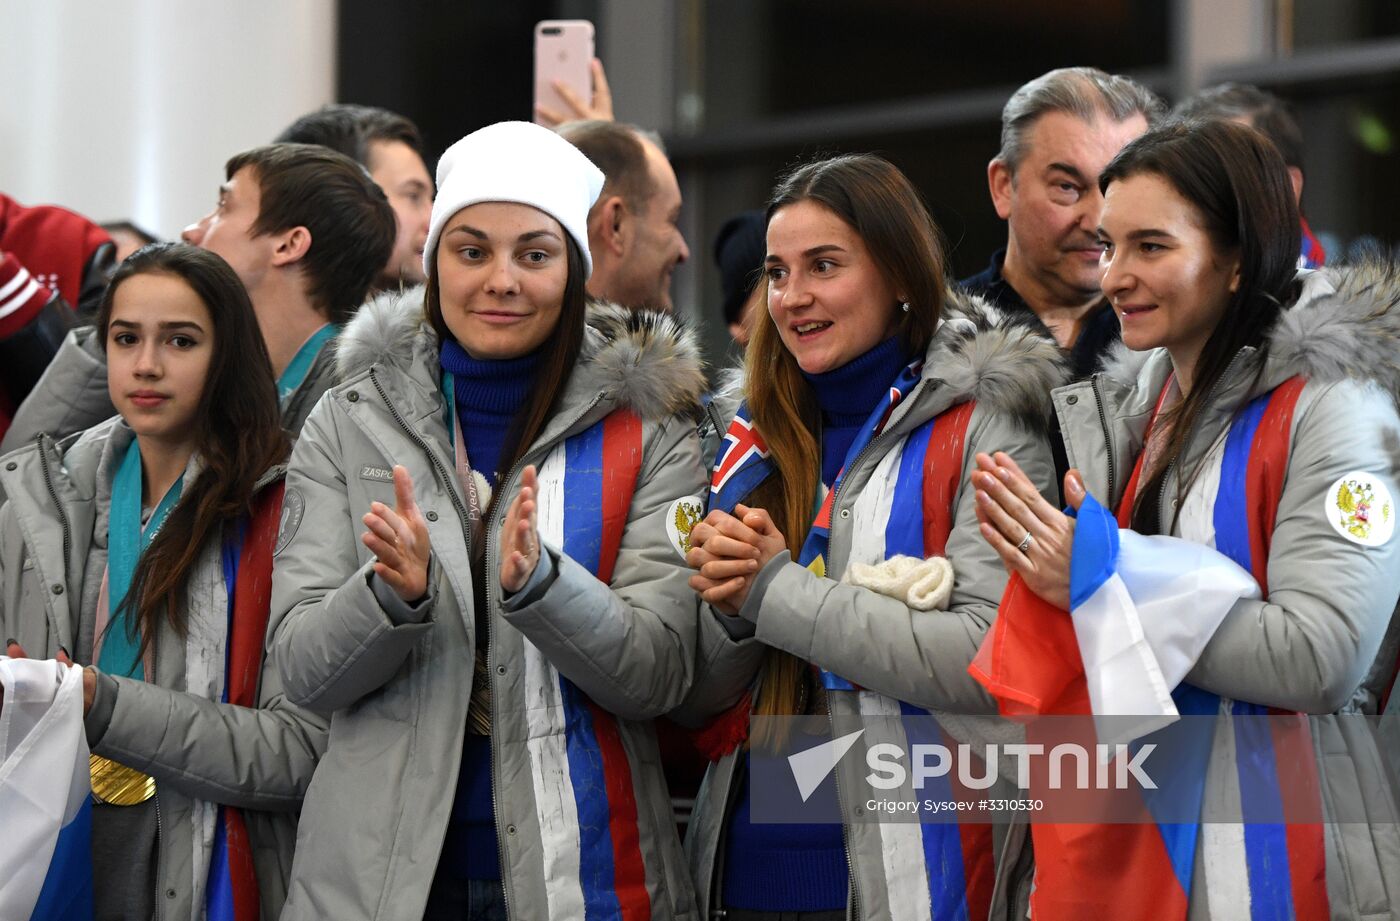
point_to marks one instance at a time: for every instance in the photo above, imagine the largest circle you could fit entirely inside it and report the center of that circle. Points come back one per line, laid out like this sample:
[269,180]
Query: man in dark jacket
[1058,132]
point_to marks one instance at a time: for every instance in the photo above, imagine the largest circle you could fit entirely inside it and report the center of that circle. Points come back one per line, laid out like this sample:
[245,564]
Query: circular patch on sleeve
[683,515]
[1360,508]
[293,510]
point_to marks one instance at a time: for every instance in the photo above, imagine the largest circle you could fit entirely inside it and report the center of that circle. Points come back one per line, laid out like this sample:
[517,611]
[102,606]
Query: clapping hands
[398,537]
[727,551]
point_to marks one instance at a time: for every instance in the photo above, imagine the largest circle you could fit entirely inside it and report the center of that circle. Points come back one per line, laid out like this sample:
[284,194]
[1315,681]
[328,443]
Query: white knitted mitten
[924,585]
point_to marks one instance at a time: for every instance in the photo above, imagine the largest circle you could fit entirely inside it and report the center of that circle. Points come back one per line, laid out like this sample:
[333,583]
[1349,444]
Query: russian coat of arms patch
[1360,508]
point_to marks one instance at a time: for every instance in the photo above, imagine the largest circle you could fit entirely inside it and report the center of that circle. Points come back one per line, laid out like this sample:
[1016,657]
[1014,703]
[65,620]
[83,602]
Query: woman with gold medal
[142,550]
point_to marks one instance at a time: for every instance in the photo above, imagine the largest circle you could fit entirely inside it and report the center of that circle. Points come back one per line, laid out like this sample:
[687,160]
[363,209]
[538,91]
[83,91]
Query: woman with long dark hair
[840,558]
[142,549]
[1249,426]
[482,581]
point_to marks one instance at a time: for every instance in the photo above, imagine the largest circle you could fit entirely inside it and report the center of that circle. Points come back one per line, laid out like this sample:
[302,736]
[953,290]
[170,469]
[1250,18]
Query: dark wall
[451,66]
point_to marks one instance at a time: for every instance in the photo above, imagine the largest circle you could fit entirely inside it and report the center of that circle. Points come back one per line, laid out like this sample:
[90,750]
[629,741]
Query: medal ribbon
[119,643]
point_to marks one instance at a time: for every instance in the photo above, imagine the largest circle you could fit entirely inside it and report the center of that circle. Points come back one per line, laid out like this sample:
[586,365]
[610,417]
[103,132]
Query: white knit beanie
[517,162]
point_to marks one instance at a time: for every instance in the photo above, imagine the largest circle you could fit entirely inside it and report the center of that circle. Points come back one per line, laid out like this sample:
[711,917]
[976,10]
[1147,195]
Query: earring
[904,306]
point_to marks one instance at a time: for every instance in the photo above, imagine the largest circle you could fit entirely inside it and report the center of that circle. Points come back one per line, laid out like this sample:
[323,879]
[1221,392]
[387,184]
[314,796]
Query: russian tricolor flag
[580,768]
[1143,609]
[45,806]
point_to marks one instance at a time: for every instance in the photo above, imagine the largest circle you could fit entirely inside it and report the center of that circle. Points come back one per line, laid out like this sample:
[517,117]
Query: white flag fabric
[45,801]
[1144,609]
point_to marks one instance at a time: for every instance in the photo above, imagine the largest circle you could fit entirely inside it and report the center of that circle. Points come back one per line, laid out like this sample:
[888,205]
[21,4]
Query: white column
[129,108]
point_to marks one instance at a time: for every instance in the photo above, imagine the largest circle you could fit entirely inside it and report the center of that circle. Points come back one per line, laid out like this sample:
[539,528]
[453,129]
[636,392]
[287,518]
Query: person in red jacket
[54,266]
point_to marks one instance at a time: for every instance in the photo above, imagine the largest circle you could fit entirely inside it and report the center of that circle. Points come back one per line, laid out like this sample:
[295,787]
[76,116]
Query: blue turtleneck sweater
[802,867]
[488,394]
[849,394]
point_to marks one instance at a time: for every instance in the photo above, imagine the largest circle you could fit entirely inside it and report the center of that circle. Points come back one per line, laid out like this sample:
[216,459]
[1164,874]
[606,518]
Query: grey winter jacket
[894,652]
[397,692]
[1325,640]
[72,394]
[53,551]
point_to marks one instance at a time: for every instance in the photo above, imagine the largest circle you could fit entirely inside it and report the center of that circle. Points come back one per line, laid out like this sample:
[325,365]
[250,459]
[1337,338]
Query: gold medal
[118,785]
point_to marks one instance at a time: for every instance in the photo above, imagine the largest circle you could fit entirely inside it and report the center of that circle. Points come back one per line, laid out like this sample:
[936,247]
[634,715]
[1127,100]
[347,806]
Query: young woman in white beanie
[480,577]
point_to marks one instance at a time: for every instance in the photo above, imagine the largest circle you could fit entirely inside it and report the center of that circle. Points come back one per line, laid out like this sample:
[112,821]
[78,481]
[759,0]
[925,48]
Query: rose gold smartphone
[563,51]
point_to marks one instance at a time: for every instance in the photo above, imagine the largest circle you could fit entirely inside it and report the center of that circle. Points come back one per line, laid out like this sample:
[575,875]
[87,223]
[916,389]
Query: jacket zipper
[465,520]
[160,859]
[1186,443]
[438,468]
[712,421]
[67,551]
[488,528]
[845,828]
[1107,439]
[830,718]
[731,796]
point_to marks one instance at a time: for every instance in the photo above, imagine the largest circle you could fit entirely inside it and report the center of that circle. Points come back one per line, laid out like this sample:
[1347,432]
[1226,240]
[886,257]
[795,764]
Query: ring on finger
[1025,543]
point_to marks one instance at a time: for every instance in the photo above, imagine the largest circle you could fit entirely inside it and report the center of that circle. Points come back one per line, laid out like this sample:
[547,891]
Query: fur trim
[1122,365]
[1003,361]
[383,331]
[648,361]
[1344,325]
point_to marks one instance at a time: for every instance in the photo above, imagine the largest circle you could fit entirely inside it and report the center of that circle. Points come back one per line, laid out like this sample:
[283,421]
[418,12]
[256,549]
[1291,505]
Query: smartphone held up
[563,53]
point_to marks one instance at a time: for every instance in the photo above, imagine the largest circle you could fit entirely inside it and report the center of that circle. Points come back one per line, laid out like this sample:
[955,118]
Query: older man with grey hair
[1058,132]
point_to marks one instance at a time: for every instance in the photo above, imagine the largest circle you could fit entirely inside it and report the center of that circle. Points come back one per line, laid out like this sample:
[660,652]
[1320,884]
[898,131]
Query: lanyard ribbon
[119,643]
[300,366]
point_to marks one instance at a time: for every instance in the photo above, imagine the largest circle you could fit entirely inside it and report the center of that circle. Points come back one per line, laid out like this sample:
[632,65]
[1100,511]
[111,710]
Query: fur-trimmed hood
[647,361]
[1003,360]
[1344,325]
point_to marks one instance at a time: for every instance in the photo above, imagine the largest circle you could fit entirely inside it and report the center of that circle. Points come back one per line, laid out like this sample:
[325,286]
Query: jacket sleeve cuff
[398,611]
[737,628]
[104,703]
[754,602]
[539,582]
